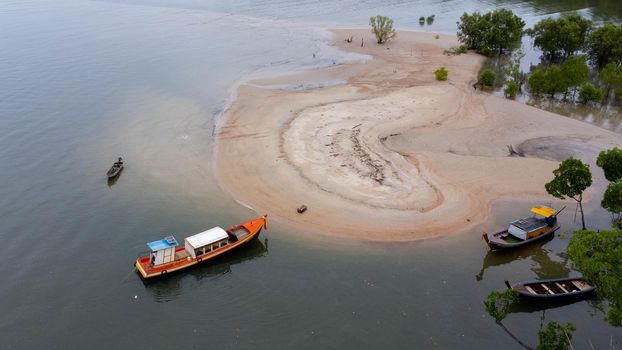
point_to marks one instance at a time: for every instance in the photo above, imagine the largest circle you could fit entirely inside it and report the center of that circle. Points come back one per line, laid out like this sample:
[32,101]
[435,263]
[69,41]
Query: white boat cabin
[163,251]
[531,227]
[206,241]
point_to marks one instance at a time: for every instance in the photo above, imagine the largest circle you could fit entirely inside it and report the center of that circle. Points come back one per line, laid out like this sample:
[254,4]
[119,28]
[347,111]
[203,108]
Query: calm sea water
[83,82]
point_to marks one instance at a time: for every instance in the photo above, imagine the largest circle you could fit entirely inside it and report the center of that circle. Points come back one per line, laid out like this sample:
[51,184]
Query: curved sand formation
[392,154]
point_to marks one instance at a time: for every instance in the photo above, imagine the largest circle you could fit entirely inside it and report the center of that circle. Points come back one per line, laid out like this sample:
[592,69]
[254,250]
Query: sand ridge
[392,154]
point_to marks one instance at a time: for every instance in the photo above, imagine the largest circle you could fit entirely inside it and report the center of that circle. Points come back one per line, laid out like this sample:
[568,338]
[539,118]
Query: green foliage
[612,200]
[554,81]
[511,89]
[611,163]
[597,255]
[456,50]
[382,27]
[555,336]
[498,304]
[430,20]
[559,79]
[441,74]
[574,72]
[612,76]
[590,93]
[512,69]
[487,77]
[537,82]
[491,32]
[571,179]
[562,37]
[549,81]
[472,30]
[422,20]
[604,45]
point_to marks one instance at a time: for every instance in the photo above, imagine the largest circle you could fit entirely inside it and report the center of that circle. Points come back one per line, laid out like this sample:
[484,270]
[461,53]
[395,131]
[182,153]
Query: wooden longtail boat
[524,231]
[115,169]
[557,289]
[167,257]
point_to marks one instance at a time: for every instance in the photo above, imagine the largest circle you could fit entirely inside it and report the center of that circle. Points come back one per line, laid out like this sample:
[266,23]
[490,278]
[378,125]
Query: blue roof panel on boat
[164,243]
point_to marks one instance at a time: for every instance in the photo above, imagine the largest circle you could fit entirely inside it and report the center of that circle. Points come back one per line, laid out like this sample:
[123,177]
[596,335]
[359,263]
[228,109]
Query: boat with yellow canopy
[525,230]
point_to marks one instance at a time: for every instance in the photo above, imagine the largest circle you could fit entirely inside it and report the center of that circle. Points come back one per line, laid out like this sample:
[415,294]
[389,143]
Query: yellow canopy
[544,211]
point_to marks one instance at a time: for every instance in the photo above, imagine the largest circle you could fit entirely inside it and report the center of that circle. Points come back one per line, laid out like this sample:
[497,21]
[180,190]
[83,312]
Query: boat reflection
[531,307]
[546,267]
[168,288]
[113,180]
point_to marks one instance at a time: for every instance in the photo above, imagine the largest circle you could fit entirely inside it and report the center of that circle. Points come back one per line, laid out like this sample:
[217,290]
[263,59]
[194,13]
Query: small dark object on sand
[301,209]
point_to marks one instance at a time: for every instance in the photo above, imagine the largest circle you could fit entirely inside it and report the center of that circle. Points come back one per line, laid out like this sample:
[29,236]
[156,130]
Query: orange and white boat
[167,256]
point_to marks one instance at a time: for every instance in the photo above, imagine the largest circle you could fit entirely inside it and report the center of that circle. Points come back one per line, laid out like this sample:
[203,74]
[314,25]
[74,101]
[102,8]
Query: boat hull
[114,171]
[146,270]
[495,243]
[525,290]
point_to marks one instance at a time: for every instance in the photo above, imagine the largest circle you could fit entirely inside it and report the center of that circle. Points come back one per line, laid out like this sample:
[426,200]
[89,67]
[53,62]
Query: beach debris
[301,209]
[376,168]
[349,40]
[514,153]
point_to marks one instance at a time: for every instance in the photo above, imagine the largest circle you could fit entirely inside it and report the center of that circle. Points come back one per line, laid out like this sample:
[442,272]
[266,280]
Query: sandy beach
[390,154]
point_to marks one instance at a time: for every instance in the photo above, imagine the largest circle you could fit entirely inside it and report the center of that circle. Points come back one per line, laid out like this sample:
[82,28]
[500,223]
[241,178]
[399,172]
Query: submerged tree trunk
[515,337]
[581,209]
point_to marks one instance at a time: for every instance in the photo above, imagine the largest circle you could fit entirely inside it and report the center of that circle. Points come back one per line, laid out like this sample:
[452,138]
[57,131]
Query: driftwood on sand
[514,153]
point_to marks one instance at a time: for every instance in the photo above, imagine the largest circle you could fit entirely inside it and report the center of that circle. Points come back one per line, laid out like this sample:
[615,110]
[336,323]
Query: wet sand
[390,154]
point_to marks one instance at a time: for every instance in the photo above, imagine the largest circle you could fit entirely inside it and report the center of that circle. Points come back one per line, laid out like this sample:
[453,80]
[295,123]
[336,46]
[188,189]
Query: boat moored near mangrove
[525,230]
[167,256]
[557,289]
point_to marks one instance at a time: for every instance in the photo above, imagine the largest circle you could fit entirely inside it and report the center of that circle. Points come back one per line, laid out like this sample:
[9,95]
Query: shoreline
[391,154]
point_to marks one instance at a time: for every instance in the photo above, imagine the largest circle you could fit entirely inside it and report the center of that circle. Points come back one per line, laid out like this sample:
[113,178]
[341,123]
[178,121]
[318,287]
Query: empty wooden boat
[115,169]
[526,230]
[557,289]
[167,256]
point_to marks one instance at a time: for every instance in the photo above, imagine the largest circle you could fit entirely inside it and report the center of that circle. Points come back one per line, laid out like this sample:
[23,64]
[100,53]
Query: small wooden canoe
[115,169]
[504,240]
[554,289]
[178,258]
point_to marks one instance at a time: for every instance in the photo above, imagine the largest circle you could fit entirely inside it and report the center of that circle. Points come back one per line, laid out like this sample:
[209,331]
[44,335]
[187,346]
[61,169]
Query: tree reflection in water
[545,266]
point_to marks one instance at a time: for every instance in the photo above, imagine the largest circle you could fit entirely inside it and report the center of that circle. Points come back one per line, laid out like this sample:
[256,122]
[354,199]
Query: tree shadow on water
[546,267]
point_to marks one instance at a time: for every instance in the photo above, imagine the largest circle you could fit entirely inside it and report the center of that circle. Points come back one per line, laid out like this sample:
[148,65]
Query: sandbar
[389,153]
